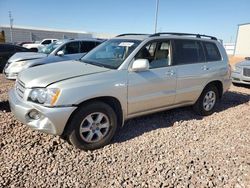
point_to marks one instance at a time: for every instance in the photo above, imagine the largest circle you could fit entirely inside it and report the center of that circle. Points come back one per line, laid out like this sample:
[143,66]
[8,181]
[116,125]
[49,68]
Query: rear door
[192,70]
[155,88]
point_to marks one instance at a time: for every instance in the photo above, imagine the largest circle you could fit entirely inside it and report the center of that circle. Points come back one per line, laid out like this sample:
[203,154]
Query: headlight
[45,96]
[238,69]
[18,66]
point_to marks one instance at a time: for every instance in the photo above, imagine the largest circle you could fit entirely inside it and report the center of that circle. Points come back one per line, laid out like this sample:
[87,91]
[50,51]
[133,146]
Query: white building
[229,47]
[242,47]
[28,34]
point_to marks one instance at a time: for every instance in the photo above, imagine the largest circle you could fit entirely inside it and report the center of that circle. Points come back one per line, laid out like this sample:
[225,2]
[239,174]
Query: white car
[39,44]
[241,73]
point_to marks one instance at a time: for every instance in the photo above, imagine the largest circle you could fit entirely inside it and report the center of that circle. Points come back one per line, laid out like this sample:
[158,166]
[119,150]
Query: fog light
[34,114]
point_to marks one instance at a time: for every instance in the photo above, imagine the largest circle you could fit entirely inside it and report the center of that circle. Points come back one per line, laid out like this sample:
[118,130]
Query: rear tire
[92,126]
[207,101]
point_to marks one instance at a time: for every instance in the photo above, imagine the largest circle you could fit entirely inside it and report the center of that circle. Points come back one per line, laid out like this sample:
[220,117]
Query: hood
[22,56]
[243,63]
[44,75]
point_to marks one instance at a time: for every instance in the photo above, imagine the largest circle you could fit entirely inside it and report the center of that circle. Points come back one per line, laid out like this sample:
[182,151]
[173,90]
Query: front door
[155,88]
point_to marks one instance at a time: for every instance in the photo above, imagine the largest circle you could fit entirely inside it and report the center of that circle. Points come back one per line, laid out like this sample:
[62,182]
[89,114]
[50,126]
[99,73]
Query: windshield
[50,48]
[111,54]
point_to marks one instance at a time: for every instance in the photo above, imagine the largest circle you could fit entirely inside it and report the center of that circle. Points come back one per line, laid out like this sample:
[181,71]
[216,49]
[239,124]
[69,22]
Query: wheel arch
[218,84]
[111,101]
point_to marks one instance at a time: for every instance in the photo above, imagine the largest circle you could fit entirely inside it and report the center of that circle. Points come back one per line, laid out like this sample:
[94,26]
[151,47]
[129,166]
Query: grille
[20,88]
[246,72]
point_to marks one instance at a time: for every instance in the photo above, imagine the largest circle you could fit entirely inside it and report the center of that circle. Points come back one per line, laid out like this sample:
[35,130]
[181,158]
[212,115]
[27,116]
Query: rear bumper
[52,120]
[226,85]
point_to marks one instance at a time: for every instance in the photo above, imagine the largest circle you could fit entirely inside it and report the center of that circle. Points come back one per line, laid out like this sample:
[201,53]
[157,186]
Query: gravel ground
[174,148]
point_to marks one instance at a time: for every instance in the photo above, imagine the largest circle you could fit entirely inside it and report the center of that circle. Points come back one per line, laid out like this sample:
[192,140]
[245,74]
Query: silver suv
[131,75]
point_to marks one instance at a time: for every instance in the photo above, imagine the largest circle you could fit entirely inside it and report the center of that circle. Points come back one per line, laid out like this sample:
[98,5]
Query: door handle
[205,68]
[170,73]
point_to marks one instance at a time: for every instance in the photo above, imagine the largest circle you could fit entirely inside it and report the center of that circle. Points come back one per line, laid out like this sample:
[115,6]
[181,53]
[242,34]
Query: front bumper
[10,76]
[239,78]
[52,120]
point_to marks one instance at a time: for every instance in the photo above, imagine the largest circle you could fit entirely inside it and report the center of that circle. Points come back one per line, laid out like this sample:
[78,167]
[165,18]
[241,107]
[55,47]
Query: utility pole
[156,14]
[11,26]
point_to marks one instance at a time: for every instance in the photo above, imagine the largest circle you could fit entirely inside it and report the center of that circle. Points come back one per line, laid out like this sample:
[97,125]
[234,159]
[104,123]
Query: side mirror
[140,65]
[60,53]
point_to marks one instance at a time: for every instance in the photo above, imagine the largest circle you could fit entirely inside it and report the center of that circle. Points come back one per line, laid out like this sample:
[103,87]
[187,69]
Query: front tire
[92,126]
[207,101]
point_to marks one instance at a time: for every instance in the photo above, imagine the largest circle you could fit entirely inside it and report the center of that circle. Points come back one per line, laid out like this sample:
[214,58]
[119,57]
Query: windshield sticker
[126,44]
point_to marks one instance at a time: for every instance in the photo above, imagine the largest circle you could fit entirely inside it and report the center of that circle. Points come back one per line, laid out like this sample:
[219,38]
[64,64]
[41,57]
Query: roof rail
[183,34]
[128,34]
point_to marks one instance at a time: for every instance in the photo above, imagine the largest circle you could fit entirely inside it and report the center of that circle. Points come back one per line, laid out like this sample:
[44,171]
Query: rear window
[188,51]
[212,51]
[20,49]
[86,46]
[46,42]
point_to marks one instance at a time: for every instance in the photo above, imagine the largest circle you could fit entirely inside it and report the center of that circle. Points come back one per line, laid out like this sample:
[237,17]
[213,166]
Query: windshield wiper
[96,64]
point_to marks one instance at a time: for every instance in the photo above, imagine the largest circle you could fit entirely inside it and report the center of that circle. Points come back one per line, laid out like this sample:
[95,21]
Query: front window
[50,48]
[112,53]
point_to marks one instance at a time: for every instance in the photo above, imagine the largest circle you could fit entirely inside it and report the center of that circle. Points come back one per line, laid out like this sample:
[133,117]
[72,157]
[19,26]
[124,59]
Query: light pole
[11,25]
[156,14]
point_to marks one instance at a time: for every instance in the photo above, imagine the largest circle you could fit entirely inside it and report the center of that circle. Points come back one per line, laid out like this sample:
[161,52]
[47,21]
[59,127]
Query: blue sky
[213,17]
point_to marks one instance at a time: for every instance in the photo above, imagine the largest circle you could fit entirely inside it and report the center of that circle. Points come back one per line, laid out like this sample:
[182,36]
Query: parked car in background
[39,44]
[86,101]
[61,50]
[6,51]
[22,43]
[241,72]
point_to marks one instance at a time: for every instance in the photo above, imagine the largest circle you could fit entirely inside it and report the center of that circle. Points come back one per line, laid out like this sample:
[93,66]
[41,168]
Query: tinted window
[157,54]
[86,46]
[212,52]
[71,48]
[188,51]
[6,48]
[46,42]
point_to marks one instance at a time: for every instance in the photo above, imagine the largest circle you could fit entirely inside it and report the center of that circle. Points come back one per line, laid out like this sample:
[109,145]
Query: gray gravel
[174,148]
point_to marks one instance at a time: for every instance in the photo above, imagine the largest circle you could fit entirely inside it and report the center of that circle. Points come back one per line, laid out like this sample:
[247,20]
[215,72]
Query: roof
[138,36]
[83,39]
[135,37]
[244,24]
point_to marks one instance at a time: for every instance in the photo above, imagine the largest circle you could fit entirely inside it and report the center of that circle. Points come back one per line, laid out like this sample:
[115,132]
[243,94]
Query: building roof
[244,24]
[44,29]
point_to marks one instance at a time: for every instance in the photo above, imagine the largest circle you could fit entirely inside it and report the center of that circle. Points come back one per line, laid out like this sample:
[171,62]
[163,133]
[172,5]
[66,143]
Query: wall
[229,47]
[242,47]
[26,35]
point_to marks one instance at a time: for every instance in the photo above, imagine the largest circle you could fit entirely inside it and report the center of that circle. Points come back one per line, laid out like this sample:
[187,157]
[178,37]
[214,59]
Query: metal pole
[156,14]
[11,25]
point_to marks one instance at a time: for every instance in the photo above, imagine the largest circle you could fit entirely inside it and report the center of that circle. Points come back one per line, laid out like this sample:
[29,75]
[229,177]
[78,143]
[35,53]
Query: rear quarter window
[211,51]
